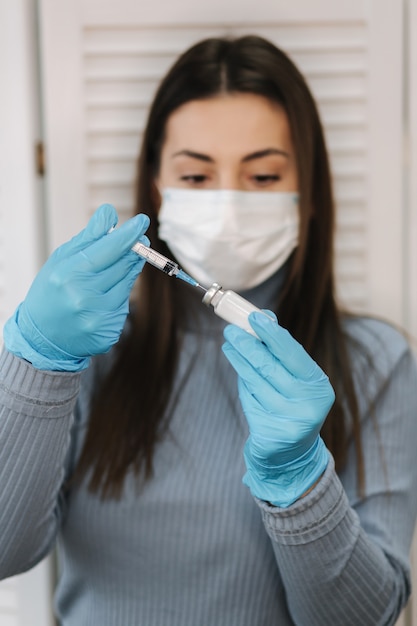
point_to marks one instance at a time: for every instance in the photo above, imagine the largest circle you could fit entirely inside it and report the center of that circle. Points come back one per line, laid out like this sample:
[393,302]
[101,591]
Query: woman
[133,460]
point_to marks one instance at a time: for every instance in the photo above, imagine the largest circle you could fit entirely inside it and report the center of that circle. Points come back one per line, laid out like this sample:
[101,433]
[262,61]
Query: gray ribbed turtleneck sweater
[194,548]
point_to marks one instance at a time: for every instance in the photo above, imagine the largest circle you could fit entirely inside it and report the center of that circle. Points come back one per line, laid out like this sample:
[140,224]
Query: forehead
[233,123]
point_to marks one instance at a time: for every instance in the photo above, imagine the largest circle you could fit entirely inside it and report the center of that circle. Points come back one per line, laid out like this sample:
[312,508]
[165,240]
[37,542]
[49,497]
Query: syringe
[163,263]
[226,304]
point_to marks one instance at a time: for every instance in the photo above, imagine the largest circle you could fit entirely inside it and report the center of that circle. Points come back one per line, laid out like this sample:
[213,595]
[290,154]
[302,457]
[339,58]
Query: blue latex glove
[285,397]
[78,302]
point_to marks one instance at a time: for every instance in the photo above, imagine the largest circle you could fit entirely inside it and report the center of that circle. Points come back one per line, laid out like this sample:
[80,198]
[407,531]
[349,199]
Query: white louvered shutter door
[102,60]
[19,248]
[25,599]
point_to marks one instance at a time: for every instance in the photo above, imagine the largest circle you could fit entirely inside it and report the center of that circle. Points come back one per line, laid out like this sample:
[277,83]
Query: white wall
[20,189]
[24,600]
[411,166]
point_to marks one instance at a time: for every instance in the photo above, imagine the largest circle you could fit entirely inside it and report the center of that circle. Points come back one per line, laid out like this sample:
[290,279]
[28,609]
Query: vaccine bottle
[231,307]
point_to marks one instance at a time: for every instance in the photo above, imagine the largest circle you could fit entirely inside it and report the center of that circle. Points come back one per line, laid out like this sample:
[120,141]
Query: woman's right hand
[78,302]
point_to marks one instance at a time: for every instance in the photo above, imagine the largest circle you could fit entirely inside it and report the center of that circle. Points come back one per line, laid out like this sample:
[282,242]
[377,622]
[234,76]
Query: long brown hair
[120,437]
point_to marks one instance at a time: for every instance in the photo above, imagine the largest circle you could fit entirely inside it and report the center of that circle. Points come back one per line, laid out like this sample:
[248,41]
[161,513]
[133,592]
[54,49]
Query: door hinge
[40,158]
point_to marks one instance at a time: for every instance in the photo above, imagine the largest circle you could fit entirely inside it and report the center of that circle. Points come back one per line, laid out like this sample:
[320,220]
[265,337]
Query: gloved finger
[270,314]
[125,271]
[107,250]
[99,284]
[102,220]
[276,389]
[85,293]
[99,224]
[256,356]
[259,357]
[267,396]
[274,428]
[106,279]
[113,298]
[278,437]
[255,415]
[289,352]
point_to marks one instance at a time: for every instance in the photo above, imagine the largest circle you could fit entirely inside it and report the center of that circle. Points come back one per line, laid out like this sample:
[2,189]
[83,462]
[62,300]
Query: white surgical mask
[235,238]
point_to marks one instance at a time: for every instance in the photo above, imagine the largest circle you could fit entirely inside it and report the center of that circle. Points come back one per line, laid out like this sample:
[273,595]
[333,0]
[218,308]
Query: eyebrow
[249,157]
[263,153]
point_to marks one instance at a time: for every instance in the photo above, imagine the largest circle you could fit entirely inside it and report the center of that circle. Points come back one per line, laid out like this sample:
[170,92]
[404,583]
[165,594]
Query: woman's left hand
[286,397]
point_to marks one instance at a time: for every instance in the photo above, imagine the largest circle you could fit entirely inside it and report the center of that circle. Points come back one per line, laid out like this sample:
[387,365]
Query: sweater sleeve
[344,558]
[36,409]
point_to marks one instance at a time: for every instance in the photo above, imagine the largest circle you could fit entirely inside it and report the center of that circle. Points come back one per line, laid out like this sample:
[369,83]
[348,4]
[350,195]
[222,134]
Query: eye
[263,179]
[194,179]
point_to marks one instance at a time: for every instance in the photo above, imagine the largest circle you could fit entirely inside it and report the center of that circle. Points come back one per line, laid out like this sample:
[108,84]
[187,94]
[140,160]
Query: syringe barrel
[231,307]
[156,258]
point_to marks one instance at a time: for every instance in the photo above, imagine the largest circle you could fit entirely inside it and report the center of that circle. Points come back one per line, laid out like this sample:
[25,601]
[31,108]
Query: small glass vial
[230,306]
